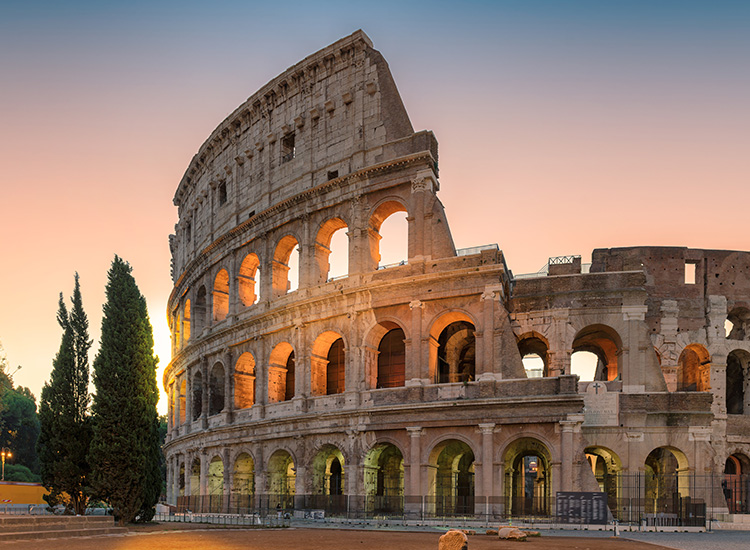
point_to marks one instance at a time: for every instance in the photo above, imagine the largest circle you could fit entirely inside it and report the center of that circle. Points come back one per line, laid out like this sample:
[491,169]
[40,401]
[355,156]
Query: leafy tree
[19,472]
[20,426]
[125,447]
[63,412]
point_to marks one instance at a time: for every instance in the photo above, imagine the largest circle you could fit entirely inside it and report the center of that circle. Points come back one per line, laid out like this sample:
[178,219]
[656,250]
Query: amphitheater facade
[442,385]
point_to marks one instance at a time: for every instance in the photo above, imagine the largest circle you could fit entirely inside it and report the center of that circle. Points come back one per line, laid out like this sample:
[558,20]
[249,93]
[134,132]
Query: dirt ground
[182,537]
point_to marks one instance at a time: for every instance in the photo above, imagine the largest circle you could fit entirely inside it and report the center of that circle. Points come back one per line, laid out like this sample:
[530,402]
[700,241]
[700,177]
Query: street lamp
[5,453]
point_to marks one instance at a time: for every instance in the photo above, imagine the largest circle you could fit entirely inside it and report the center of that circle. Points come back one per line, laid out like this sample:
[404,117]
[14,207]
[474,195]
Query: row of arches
[326,366]
[292,264]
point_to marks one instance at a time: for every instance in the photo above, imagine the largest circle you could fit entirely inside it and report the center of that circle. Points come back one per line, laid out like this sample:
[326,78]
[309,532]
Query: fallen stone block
[454,540]
[511,533]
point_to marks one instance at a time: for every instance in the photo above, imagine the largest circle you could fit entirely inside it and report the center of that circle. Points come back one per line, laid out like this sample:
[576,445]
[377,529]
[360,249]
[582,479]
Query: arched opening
[389,235]
[606,467]
[247,280]
[281,480]
[738,367]
[221,295]
[243,482]
[528,478]
[186,323]
[384,480]
[736,484]
[456,353]
[200,310]
[694,369]
[738,324]
[244,381]
[181,480]
[328,364]
[182,401]
[197,400]
[332,250]
[666,481]
[216,390]
[215,477]
[281,373]
[195,477]
[452,478]
[285,272]
[176,331]
[328,482]
[602,342]
[533,349]
[392,359]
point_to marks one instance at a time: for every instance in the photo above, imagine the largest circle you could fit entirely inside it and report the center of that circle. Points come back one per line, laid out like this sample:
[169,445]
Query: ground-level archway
[384,480]
[243,483]
[736,483]
[451,481]
[606,467]
[666,480]
[281,480]
[528,478]
[328,480]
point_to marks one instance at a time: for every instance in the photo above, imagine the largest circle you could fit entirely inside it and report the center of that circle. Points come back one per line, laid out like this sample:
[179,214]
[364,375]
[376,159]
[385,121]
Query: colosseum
[444,385]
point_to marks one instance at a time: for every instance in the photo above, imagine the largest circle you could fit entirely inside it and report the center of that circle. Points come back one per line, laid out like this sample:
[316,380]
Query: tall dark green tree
[125,447]
[65,425]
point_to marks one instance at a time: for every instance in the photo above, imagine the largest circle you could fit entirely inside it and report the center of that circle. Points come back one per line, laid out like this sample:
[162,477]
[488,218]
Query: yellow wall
[21,493]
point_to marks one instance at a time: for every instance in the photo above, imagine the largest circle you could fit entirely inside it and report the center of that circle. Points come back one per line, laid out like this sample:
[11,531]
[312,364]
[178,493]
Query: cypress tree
[65,428]
[124,451]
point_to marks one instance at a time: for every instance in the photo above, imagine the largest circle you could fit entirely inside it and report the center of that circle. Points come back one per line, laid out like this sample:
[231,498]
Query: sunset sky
[563,126]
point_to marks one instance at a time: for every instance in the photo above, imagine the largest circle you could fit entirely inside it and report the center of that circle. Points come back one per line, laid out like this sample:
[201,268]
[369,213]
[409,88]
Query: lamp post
[5,453]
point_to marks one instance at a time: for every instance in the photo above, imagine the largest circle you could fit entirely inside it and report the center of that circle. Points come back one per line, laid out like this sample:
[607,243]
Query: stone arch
[735,483]
[247,280]
[391,363]
[281,378]
[694,369]
[195,477]
[183,401]
[186,323]
[280,281]
[528,477]
[666,479]
[200,309]
[534,351]
[453,348]
[384,479]
[244,381]
[323,249]
[243,481]
[382,211]
[215,477]
[328,471]
[176,330]
[603,342]
[737,382]
[451,478]
[196,403]
[606,467]
[220,295]
[328,364]
[739,323]
[181,479]
[216,385]
[282,475]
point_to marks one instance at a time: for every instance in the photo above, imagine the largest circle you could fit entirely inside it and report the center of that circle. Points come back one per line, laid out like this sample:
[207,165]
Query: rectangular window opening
[222,193]
[287,148]
[333,174]
[691,269]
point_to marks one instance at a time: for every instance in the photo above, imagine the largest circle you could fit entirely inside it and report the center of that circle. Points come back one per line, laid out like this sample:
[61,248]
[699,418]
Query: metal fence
[644,499]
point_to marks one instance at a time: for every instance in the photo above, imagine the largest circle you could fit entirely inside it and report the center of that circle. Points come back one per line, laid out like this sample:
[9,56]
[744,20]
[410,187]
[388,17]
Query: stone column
[414,464]
[718,382]
[188,400]
[189,473]
[567,452]
[488,446]
[631,361]
[204,397]
[229,385]
[486,364]
[415,371]
[203,472]
[176,423]
[560,349]
[227,485]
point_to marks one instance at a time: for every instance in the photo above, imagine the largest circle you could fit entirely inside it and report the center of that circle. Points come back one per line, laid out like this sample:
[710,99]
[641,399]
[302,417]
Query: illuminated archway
[281,480]
[396,228]
[528,477]
[534,350]
[285,258]
[600,341]
[328,364]
[392,359]
[666,480]
[186,323]
[694,369]
[606,467]
[216,390]
[244,381]
[221,295]
[331,250]
[451,478]
[384,480]
[248,280]
[281,373]
[243,482]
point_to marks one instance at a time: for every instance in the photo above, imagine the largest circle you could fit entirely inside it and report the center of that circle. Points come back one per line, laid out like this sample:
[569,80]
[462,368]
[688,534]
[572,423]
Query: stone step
[46,523]
[61,533]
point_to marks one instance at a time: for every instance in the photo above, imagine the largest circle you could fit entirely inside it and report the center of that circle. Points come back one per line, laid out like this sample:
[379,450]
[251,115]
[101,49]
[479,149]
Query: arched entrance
[738,368]
[606,467]
[384,480]
[600,344]
[666,481]
[694,369]
[528,478]
[328,482]
[736,484]
[243,483]
[452,479]
[215,485]
[281,480]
